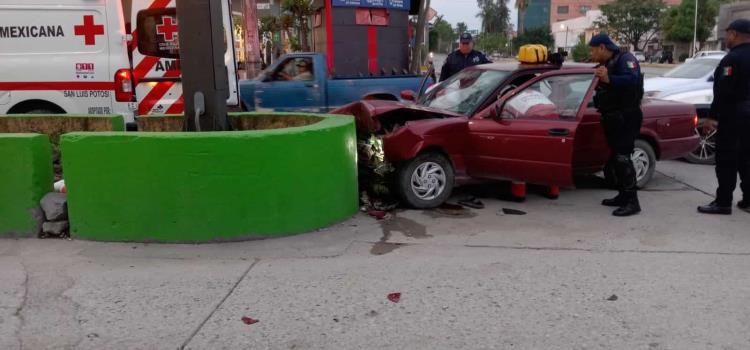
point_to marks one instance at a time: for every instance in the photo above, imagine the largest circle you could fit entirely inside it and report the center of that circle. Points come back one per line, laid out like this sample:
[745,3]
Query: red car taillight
[695,121]
[124,85]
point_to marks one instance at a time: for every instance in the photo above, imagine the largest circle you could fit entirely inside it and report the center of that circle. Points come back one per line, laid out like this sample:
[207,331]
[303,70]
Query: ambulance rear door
[155,52]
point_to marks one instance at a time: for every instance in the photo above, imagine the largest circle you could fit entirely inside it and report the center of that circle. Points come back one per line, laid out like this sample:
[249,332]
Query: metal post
[205,83]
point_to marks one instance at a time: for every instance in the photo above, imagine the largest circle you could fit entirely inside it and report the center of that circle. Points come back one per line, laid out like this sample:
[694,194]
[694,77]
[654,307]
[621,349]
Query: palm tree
[522,5]
[300,10]
[461,28]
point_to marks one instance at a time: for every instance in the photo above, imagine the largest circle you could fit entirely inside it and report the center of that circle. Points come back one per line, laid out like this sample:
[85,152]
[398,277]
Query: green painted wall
[193,187]
[25,177]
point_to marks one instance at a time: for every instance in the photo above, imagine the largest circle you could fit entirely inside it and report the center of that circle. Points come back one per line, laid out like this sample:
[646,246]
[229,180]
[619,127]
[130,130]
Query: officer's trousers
[732,157]
[621,130]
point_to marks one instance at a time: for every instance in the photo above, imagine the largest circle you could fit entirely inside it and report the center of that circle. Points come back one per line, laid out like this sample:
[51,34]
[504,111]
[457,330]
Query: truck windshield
[695,69]
[465,91]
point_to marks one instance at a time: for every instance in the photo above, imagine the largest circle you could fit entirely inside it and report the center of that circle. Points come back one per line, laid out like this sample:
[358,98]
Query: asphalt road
[564,276]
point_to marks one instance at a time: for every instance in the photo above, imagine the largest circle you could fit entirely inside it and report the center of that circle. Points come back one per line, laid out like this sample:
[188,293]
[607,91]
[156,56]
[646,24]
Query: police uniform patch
[728,71]
[631,64]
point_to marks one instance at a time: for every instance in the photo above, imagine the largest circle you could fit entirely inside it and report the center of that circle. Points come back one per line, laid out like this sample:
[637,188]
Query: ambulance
[95,57]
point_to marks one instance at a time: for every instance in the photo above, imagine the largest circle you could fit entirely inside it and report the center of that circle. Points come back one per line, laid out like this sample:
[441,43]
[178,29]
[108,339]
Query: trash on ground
[612,298]
[472,202]
[507,211]
[249,321]
[394,297]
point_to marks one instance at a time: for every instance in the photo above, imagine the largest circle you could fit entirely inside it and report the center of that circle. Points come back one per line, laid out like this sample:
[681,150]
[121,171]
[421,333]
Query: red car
[510,121]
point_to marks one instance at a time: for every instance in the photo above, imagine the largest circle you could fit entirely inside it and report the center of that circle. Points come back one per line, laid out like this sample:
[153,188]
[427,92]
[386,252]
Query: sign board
[390,4]
[263,6]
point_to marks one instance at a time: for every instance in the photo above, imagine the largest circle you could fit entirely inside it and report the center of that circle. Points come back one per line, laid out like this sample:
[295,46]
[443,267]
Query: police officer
[464,57]
[618,99]
[731,108]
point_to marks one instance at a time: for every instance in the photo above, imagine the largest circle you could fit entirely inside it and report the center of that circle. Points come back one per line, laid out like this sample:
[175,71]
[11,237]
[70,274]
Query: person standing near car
[618,99]
[731,109]
[462,58]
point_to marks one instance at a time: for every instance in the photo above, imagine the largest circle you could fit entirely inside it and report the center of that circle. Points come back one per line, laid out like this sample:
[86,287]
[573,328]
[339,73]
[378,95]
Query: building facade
[561,10]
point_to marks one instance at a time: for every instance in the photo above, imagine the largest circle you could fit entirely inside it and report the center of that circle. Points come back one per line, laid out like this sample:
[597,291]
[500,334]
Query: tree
[581,52]
[522,5]
[678,21]
[495,16]
[442,35]
[300,11]
[491,42]
[632,21]
[541,35]
[461,28]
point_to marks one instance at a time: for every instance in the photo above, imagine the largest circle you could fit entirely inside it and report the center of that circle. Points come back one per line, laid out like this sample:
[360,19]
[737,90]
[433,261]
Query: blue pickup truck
[300,82]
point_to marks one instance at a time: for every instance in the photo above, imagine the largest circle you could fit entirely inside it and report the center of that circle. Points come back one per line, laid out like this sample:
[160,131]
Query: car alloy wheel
[705,153]
[428,181]
[642,164]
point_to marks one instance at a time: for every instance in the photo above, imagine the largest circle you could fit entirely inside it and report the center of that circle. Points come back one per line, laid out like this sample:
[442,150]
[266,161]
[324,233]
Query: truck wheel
[705,153]
[426,181]
[644,160]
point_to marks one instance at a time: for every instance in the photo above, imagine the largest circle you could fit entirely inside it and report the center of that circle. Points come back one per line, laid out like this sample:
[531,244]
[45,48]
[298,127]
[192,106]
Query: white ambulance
[95,57]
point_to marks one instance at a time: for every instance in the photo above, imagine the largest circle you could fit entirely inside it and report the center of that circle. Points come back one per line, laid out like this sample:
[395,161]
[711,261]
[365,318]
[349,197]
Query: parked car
[701,54]
[509,121]
[640,56]
[692,83]
[313,90]
[662,57]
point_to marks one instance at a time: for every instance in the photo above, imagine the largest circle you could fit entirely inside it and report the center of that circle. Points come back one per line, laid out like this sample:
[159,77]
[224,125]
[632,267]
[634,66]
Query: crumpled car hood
[368,113]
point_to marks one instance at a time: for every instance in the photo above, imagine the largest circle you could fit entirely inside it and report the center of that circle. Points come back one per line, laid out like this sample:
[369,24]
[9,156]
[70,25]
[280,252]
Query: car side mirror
[407,95]
[711,79]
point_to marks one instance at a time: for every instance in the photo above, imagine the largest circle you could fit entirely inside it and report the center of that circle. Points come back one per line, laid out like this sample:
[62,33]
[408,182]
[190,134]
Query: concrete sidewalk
[565,276]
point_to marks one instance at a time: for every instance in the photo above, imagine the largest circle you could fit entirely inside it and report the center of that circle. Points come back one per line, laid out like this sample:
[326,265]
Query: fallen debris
[612,298]
[507,211]
[249,321]
[472,202]
[55,206]
[394,297]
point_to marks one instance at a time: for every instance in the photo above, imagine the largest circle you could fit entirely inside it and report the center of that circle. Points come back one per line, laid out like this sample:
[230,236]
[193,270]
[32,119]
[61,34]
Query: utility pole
[205,83]
[416,53]
[695,29]
[252,42]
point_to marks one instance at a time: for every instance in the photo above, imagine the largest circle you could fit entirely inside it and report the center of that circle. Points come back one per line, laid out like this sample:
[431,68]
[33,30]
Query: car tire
[426,181]
[705,153]
[644,161]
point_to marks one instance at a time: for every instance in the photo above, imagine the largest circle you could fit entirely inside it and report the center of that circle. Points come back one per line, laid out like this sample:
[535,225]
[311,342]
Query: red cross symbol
[167,28]
[89,30]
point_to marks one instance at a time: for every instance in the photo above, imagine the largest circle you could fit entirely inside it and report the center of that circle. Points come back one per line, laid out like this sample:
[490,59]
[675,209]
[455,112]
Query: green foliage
[632,21]
[300,12]
[678,21]
[461,28]
[541,35]
[491,42]
[442,35]
[581,52]
[495,16]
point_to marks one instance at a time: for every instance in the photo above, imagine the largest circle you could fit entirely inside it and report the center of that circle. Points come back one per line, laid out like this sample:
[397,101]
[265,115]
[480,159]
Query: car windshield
[465,91]
[694,69]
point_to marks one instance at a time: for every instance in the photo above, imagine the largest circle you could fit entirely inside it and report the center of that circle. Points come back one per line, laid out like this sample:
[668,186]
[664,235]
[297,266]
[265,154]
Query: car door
[288,88]
[529,134]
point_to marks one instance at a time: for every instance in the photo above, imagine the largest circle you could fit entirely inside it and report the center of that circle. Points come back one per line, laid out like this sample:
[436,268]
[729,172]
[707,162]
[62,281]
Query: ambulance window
[556,97]
[157,33]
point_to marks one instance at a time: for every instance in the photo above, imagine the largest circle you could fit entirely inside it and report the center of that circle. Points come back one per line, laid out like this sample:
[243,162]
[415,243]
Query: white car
[691,82]
[702,54]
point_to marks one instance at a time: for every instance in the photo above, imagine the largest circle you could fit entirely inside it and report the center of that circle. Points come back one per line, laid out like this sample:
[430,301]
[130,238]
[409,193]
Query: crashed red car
[510,121]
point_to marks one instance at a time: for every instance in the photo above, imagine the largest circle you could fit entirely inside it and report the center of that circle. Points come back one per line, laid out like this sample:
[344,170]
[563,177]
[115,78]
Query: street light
[562,26]
[695,28]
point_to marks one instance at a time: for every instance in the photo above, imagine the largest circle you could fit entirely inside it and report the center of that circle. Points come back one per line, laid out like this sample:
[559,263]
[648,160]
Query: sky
[455,11]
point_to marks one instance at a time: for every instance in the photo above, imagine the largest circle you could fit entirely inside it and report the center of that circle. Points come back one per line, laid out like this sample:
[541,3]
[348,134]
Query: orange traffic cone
[518,190]
[553,192]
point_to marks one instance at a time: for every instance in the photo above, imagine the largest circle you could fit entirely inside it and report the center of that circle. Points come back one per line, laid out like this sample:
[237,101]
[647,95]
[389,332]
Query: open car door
[529,134]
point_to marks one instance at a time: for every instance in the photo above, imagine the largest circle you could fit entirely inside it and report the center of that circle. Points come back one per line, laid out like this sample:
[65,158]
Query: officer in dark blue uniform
[618,99]
[464,57]
[731,108]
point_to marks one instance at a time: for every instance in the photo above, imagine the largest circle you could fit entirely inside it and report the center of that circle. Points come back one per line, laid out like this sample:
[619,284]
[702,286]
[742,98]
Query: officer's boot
[617,201]
[631,207]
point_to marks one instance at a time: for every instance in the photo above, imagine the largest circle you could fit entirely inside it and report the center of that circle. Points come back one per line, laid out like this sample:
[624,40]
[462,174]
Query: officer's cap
[603,38]
[466,38]
[740,26]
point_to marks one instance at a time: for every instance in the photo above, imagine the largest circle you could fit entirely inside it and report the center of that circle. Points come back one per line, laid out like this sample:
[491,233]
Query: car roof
[518,66]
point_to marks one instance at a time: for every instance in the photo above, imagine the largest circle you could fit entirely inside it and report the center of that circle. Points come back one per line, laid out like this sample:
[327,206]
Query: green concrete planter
[25,177]
[212,186]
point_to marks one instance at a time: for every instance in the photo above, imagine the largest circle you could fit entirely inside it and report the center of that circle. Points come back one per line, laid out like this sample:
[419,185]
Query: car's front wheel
[426,181]
[705,153]
[644,162]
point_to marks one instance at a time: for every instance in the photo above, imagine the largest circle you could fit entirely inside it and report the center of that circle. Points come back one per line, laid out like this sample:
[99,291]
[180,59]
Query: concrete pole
[252,40]
[205,83]
[695,29]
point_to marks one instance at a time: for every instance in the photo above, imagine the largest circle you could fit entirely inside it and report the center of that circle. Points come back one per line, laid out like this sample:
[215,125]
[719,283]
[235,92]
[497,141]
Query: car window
[556,97]
[465,91]
[695,69]
[294,69]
